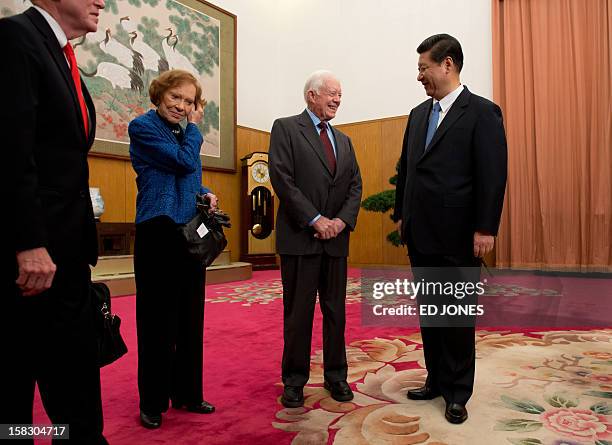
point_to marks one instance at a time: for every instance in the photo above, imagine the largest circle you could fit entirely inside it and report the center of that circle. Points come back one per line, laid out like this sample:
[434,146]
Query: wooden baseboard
[118,274]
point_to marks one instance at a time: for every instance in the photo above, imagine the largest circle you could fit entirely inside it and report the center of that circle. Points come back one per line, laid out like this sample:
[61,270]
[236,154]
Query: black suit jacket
[44,144]
[457,187]
[305,186]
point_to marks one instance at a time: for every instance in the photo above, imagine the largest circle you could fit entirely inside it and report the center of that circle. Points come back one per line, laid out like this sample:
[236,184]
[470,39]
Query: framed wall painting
[136,40]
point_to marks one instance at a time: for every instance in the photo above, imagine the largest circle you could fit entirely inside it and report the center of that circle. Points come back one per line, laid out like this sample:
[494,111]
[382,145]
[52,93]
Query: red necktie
[76,78]
[327,145]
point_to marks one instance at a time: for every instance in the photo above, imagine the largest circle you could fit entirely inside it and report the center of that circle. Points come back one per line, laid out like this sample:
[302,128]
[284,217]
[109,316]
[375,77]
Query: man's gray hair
[315,81]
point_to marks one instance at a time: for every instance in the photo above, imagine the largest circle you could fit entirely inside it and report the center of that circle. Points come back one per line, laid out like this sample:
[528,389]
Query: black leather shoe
[340,391]
[293,396]
[455,413]
[201,408]
[150,421]
[423,393]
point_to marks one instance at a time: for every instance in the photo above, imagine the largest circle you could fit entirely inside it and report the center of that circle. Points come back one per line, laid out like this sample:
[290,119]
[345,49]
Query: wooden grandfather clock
[257,237]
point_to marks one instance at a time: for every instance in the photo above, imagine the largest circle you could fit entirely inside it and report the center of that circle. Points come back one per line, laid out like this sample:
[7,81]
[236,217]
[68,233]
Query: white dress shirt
[447,102]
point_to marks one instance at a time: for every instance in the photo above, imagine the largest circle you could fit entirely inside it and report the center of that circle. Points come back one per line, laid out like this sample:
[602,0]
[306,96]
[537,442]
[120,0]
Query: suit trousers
[169,317]
[303,276]
[49,340]
[448,347]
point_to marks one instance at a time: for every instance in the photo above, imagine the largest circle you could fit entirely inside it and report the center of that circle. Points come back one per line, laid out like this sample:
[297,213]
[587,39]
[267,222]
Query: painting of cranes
[137,40]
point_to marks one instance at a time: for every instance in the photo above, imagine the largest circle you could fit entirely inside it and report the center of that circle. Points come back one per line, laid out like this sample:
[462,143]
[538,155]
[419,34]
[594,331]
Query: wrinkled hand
[214,201]
[36,271]
[336,226]
[195,115]
[339,225]
[326,228]
[483,244]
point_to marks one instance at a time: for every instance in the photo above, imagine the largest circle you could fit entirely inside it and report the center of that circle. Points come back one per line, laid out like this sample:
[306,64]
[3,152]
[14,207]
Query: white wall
[370,45]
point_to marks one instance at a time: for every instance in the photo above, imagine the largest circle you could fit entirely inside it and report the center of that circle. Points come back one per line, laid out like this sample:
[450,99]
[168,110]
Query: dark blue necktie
[433,124]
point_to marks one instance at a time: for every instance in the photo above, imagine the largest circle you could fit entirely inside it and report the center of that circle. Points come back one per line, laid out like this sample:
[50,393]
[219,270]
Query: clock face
[260,172]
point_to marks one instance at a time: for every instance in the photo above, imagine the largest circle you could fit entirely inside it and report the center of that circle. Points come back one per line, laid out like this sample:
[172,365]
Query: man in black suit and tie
[449,198]
[314,173]
[48,333]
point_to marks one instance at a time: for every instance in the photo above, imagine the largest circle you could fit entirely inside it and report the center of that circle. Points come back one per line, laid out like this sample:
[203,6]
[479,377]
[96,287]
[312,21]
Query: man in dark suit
[48,333]
[314,173]
[449,198]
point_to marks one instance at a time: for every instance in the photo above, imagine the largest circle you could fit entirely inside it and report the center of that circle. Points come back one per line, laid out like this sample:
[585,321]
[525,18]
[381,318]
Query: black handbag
[110,343]
[203,235]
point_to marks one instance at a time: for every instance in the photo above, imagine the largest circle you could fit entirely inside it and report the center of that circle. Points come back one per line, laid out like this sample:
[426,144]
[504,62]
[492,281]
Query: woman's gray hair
[315,81]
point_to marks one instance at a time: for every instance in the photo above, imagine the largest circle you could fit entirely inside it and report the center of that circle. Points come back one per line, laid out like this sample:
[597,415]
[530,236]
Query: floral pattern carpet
[267,291]
[546,388]
[532,387]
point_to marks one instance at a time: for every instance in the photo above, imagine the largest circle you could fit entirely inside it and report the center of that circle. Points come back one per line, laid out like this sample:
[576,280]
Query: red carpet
[243,347]
[242,355]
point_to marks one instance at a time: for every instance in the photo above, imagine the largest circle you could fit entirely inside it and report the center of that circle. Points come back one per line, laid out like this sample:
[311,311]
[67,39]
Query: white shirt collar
[449,99]
[57,29]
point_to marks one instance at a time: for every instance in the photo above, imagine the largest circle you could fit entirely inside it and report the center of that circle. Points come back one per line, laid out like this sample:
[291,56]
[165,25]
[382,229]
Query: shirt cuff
[314,220]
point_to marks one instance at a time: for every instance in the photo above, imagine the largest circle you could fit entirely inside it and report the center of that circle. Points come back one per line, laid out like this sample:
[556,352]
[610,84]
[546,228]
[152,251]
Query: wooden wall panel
[227,186]
[365,241]
[130,192]
[109,175]
[377,145]
[250,140]
[392,133]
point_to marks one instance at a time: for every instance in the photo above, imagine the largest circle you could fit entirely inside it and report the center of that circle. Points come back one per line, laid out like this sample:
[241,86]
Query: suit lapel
[58,57]
[310,133]
[456,111]
[421,121]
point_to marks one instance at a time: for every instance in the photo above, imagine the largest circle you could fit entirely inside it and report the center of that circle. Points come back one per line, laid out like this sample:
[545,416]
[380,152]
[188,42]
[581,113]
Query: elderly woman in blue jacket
[169,284]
